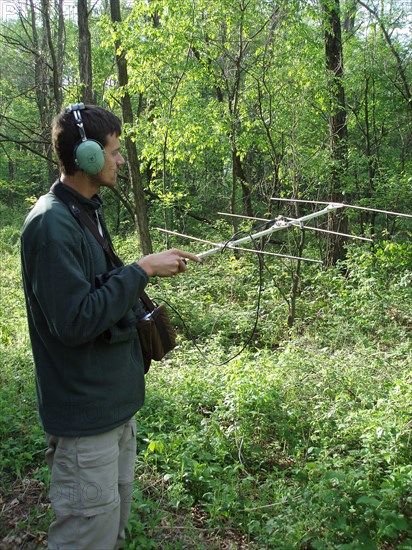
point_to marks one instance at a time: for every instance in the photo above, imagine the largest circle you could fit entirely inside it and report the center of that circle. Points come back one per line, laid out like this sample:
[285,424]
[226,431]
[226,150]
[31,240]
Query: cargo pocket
[97,477]
[127,457]
[63,492]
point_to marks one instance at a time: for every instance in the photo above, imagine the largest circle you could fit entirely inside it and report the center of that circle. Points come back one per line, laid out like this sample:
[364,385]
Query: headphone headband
[75,108]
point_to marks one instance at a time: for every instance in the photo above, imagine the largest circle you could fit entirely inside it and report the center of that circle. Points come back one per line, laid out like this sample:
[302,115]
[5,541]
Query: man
[89,386]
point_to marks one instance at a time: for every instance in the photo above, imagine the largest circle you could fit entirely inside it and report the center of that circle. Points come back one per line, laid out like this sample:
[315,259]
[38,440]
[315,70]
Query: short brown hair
[98,124]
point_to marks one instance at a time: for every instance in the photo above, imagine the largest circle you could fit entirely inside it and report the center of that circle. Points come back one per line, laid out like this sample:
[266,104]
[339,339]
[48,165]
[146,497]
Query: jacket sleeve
[59,266]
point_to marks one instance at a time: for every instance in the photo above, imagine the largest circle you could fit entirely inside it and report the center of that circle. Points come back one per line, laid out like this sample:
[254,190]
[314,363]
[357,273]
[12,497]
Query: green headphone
[88,153]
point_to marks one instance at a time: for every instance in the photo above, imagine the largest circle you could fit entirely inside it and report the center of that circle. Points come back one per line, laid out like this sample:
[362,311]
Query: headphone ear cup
[89,156]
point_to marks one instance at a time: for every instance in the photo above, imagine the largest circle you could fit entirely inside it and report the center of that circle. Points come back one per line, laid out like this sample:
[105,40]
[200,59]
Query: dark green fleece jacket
[85,385]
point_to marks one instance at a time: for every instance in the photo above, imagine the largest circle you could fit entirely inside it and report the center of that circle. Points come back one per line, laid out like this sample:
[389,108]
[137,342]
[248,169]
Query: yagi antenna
[278,225]
[299,225]
[223,246]
[344,205]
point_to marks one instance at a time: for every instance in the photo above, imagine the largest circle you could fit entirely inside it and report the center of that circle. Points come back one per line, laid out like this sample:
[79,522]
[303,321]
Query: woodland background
[303,440]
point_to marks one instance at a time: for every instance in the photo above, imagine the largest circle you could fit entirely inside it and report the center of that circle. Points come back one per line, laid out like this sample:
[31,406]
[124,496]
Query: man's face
[112,161]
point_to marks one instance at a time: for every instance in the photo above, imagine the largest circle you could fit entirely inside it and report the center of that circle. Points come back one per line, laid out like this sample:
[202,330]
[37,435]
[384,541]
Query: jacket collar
[94,203]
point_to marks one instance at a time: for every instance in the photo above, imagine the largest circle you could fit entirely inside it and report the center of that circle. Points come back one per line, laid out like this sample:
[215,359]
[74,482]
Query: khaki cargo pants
[91,488]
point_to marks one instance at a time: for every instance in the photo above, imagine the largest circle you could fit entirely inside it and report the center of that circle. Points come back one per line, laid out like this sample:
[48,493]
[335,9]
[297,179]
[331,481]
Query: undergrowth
[303,441]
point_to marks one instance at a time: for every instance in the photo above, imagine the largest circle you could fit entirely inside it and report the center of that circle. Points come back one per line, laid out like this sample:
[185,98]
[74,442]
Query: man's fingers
[186,255]
[167,263]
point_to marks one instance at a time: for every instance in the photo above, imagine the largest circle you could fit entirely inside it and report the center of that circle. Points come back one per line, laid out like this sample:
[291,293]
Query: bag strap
[83,218]
[147,302]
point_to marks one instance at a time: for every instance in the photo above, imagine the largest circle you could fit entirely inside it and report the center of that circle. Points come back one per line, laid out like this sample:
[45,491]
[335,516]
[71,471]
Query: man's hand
[167,263]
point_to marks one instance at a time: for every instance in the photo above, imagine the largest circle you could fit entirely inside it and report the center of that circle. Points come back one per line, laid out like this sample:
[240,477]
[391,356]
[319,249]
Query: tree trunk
[47,102]
[133,162]
[239,173]
[338,130]
[61,42]
[85,53]
[55,77]
[294,291]
[235,222]
[350,16]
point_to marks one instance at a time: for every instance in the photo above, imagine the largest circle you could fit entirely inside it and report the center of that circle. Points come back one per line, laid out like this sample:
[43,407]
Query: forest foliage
[231,103]
[302,439]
